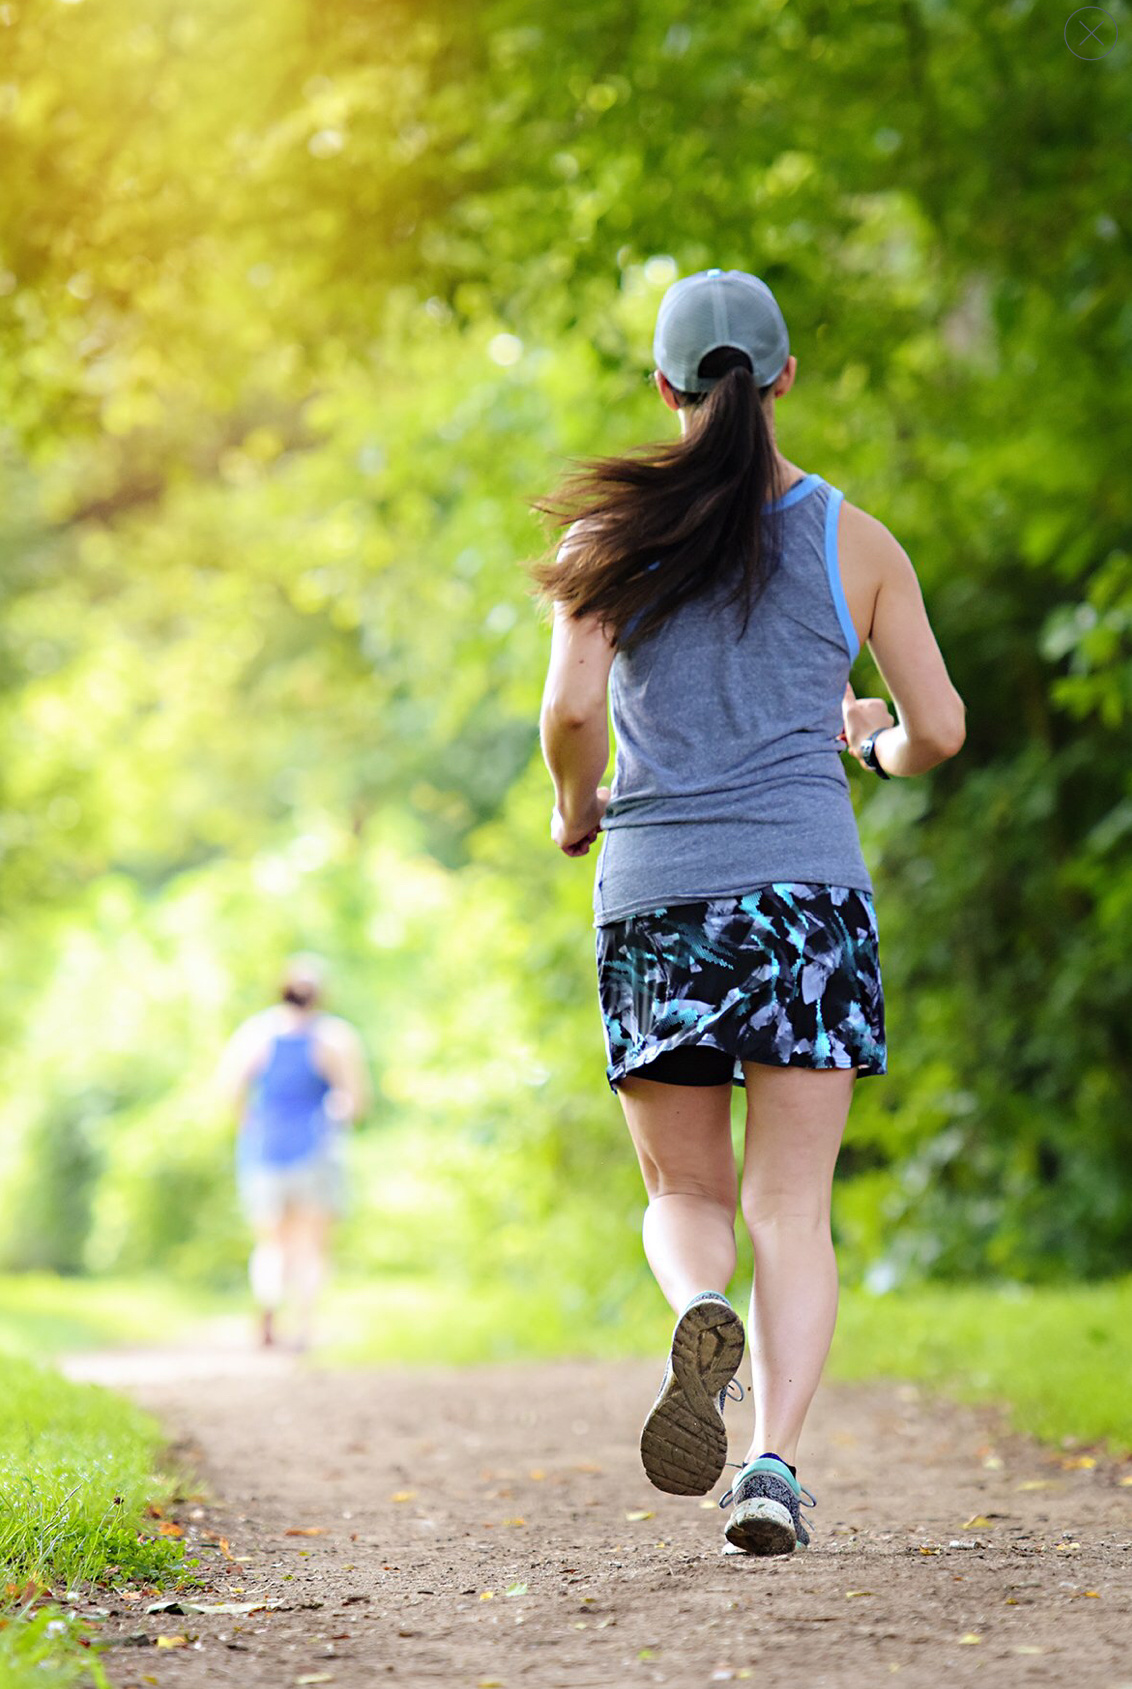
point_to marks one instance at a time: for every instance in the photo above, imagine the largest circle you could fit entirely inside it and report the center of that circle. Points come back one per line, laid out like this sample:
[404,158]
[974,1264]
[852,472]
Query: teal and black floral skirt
[788,976]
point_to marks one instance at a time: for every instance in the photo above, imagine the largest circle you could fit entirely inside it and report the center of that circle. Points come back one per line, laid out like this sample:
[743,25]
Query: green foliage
[298,306]
[76,1474]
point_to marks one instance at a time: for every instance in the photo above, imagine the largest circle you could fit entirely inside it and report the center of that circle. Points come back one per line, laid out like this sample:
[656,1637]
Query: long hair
[665,524]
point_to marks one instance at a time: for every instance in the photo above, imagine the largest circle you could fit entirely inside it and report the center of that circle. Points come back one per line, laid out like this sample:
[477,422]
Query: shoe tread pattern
[684,1441]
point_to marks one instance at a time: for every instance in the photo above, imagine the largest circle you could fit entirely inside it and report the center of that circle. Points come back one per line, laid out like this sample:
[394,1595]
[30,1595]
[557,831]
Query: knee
[768,1215]
[695,1187]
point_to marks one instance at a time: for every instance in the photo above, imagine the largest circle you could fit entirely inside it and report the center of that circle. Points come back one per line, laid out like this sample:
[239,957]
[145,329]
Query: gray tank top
[728,772]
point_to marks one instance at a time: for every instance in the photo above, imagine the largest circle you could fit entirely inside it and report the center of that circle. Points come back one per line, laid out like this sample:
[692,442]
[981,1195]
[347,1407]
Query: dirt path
[493,1527]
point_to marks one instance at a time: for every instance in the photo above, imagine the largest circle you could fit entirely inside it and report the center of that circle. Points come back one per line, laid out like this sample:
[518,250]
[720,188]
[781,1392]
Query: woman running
[716,595]
[296,1076]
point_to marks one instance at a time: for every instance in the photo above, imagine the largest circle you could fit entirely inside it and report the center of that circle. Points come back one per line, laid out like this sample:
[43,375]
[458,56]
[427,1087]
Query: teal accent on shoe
[771,1463]
[776,1468]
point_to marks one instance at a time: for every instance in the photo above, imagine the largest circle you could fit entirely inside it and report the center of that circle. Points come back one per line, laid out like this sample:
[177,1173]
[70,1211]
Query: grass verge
[78,1469]
[43,1313]
[1059,1358]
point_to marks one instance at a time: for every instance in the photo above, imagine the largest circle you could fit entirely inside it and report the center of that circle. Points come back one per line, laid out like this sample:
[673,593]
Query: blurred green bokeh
[298,306]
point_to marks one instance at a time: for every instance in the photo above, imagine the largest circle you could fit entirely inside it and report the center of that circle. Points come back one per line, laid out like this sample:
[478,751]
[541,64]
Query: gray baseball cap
[718,308]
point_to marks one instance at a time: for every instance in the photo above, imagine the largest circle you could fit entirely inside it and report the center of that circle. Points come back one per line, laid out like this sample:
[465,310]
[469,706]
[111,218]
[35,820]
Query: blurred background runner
[297,1077]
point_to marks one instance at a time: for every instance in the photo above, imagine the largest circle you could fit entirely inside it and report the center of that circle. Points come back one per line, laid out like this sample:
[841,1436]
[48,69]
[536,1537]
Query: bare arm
[342,1060]
[240,1063]
[930,722]
[574,726]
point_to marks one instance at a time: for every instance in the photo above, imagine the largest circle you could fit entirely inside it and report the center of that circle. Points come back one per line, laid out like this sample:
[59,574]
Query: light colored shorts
[267,1192]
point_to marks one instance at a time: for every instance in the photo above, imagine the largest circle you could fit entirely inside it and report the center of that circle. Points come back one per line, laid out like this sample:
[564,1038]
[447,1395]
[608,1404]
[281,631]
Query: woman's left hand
[576,838]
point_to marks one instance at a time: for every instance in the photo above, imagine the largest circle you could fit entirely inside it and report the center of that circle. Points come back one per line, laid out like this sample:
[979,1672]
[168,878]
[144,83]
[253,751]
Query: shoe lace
[735,1391]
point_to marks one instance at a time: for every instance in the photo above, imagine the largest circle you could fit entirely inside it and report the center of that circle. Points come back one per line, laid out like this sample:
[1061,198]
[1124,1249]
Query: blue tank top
[286,1119]
[728,772]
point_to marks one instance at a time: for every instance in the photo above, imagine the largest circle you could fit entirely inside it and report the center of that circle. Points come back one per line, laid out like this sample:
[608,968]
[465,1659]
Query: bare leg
[795,1119]
[266,1275]
[306,1239]
[682,1135]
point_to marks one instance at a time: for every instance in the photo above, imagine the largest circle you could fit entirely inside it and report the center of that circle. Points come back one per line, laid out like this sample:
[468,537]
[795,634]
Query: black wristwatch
[869,754]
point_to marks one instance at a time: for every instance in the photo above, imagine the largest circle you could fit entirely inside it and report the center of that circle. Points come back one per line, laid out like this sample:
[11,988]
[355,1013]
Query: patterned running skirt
[788,976]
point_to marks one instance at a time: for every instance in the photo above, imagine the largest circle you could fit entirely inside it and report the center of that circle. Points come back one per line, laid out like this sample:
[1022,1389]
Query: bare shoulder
[336,1033]
[257,1027]
[867,545]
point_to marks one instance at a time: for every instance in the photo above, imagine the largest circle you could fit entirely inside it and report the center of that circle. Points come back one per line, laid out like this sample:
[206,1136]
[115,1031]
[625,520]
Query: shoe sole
[684,1441]
[761,1526]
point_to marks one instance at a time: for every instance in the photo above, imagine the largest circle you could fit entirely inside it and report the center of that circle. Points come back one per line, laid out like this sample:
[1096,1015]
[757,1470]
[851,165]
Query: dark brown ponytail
[665,524]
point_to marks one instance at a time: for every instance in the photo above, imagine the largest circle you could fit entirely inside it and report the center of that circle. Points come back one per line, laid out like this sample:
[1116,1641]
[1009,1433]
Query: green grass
[1059,1359]
[44,1314]
[49,1648]
[78,1467]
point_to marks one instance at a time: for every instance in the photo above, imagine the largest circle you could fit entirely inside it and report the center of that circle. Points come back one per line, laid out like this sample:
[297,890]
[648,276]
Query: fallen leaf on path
[315,1677]
[971,1637]
[537,1475]
[490,1683]
[647,1654]
[232,1606]
[977,1522]
[1026,1648]
[172,1641]
[487,1595]
[305,1531]
[635,1518]
[514,1522]
[403,1495]
[856,1594]
[1068,1547]
[516,1589]
[924,1549]
[168,1529]
[1036,1484]
[1078,1463]
[1125,1483]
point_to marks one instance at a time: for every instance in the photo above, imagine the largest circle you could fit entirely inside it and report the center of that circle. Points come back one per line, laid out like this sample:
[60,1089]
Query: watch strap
[869,755]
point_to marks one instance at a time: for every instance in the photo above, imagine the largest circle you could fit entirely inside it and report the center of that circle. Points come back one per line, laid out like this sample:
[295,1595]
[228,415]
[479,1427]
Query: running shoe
[766,1502]
[684,1441]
